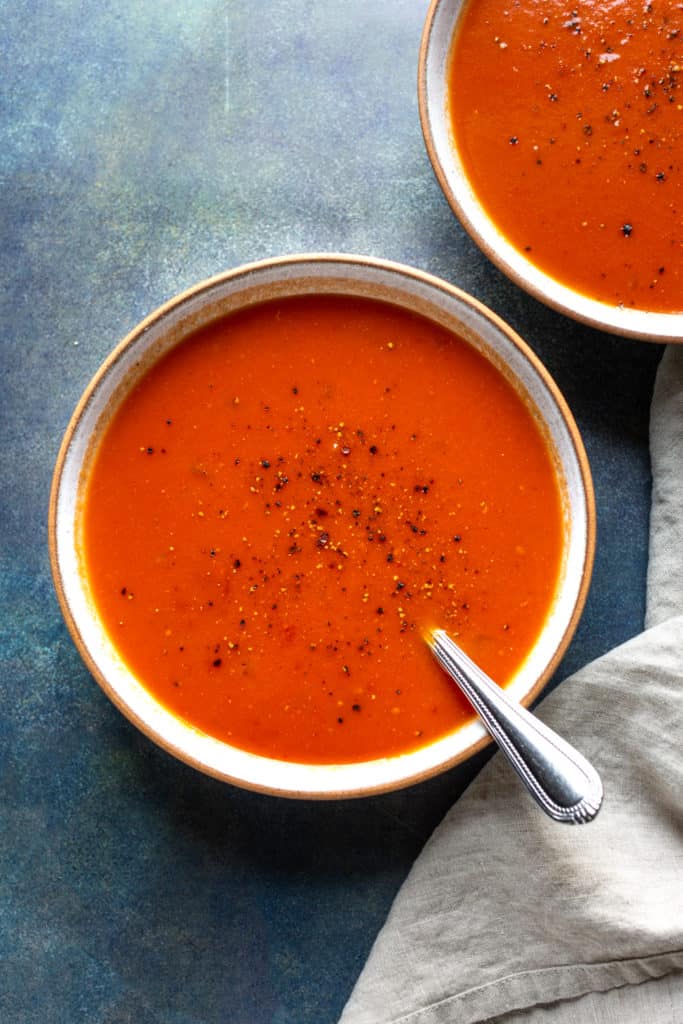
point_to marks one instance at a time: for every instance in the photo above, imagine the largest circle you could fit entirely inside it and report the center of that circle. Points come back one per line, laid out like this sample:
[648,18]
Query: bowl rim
[637,324]
[279,264]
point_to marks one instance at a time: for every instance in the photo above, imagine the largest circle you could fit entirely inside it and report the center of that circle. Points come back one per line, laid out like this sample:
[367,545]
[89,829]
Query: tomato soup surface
[569,121]
[289,497]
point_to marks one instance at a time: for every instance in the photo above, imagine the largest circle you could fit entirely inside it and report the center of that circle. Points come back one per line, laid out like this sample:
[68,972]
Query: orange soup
[569,121]
[290,496]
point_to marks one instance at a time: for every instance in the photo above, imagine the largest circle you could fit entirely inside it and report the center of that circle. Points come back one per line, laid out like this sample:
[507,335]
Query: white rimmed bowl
[440,29]
[295,275]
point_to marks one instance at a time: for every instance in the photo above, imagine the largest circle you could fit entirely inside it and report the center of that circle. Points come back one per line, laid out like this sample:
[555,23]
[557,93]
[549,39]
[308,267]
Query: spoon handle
[562,781]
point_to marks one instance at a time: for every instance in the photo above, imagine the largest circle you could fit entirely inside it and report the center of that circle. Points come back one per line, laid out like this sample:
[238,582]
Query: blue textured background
[146,146]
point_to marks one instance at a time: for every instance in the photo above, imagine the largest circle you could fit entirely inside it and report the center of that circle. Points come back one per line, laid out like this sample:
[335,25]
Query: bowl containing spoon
[277,481]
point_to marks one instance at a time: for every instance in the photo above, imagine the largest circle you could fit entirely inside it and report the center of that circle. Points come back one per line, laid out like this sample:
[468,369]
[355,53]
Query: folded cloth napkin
[507,916]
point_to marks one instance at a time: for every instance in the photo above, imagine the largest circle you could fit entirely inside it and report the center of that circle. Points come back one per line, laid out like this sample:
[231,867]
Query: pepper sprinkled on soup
[569,120]
[290,496]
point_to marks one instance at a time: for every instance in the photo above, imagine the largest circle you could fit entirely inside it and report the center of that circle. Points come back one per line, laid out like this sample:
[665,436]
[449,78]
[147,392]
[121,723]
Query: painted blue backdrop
[146,146]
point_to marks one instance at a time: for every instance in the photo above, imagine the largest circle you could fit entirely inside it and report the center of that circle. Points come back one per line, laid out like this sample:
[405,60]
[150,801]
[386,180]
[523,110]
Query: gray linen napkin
[508,916]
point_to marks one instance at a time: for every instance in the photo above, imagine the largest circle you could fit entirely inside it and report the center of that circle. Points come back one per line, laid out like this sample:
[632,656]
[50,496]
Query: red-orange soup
[290,496]
[569,121]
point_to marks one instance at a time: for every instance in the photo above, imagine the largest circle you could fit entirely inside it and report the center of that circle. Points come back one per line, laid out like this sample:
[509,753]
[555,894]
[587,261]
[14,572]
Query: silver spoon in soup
[560,779]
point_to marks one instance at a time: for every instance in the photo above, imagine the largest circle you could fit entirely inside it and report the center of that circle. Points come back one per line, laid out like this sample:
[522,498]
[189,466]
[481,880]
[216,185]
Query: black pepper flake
[265,463]
[149,451]
[457,538]
[355,707]
[217,662]
[390,557]
[236,564]
[380,610]
[373,449]
[626,230]
[400,585]
[514,141]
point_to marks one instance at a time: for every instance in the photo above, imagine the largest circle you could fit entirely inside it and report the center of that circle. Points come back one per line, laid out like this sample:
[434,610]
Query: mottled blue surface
[145,146]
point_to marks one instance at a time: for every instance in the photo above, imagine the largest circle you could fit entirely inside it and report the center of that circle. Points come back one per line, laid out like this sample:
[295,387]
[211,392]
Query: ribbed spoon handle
[561,780]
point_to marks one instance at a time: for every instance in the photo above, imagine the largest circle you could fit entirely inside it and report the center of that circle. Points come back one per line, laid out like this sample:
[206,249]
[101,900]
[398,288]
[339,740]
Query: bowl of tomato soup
[278,481]
[556,134]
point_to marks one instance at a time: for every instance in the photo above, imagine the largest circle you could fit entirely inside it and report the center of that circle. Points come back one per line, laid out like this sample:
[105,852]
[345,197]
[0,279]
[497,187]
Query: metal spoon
[561,780]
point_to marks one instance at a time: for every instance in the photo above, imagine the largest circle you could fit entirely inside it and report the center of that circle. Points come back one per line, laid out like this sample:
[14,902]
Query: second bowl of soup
[556,134]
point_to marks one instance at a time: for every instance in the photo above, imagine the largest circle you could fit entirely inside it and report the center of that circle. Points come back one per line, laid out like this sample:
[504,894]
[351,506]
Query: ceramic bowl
[228,292]
[441,27]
